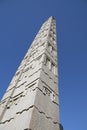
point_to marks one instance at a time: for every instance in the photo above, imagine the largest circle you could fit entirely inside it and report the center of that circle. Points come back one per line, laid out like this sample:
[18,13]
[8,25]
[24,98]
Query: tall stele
[31,100]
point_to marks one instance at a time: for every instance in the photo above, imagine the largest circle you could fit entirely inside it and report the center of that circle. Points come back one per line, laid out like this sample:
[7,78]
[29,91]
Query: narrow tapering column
[31,101]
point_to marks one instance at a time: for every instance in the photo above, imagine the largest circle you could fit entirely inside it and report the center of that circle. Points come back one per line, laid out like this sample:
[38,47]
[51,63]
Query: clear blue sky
[20,20]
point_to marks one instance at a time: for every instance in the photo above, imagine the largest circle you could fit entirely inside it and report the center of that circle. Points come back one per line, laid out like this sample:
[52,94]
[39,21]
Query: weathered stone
[31,101]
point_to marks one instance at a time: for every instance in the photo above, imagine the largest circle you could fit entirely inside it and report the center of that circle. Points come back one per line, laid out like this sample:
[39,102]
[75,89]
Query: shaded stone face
[31,100]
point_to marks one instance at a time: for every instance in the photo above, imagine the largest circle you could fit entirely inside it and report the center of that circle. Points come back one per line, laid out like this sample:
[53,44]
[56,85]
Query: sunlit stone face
[31,100]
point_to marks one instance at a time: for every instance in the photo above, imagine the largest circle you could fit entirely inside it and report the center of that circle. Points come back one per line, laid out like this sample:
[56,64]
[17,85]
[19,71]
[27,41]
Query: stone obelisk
[31,100]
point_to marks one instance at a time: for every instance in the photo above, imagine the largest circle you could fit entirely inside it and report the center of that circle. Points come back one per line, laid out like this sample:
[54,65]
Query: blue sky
[20,20]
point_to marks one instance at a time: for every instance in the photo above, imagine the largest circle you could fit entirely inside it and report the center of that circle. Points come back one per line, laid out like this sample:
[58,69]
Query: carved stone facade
[31,100]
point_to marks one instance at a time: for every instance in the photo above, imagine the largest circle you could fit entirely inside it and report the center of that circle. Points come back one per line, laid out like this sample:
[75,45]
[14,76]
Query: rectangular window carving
[46,91]
[49,93]
[26,69]
[53,68]
[48,63]
[49,47]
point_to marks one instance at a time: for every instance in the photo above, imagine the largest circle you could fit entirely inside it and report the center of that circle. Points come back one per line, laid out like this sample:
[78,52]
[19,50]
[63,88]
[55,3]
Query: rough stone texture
[31,101]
